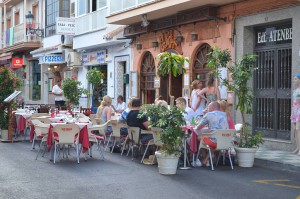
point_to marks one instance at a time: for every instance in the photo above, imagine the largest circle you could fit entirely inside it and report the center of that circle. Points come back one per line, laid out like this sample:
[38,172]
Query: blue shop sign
[53,59]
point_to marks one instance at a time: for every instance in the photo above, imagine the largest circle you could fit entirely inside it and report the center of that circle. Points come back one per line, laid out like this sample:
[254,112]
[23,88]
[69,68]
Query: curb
[276,165]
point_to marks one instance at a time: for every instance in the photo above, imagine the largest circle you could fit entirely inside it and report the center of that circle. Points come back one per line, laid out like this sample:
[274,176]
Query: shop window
[82,7]
[147,78]
[35,80]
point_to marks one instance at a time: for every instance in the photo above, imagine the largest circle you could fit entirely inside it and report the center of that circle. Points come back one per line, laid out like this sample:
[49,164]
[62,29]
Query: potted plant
[171,63]
[73,91]
[95,77]
[9,82]
[170,122]
[241,72]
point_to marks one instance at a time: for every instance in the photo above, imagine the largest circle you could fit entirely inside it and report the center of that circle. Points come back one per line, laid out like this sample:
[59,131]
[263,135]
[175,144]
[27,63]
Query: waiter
[59,96]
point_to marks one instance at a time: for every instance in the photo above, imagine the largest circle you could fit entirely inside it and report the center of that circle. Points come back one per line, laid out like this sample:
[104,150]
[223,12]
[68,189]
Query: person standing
[59,96]
[197,103]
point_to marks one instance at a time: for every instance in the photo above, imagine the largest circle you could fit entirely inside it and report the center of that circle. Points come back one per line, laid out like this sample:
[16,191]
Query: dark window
[35,80]
[54,9]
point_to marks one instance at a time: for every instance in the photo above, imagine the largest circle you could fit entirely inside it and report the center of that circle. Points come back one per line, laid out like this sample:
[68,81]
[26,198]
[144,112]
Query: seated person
[189,113]
[122,118]
[133,120]
[224,108]
[215,119]
[104,111]
[121,105]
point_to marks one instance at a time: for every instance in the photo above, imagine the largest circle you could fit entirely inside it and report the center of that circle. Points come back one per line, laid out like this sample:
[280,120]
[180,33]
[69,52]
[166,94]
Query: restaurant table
[21,119]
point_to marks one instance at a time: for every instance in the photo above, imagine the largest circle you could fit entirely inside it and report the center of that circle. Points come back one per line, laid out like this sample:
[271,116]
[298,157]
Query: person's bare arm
[146,125]
[108,113]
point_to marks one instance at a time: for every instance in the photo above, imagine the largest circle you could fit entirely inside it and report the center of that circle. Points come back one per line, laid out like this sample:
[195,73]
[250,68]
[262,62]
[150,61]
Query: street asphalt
[117,177]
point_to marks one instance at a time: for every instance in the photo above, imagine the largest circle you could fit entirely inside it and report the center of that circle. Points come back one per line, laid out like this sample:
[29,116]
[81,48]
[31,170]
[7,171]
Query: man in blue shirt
[215,119]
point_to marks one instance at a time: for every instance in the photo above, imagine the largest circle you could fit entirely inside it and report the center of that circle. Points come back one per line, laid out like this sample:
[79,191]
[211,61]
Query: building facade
[192,27]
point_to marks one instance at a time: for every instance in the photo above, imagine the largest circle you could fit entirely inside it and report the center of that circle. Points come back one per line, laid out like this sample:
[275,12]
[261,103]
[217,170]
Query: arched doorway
[176,84]
[200,70]
[147,79]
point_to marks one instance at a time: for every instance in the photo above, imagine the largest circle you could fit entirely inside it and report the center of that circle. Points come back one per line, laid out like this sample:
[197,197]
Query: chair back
[134,134]
[101,128]
[224,138]
[37,122]
[156,136]
[116,127]
[66,132]
[44,120]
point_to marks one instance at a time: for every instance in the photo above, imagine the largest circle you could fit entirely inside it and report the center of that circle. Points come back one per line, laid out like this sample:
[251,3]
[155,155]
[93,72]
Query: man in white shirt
[121,105]
[189,113]
[59,96]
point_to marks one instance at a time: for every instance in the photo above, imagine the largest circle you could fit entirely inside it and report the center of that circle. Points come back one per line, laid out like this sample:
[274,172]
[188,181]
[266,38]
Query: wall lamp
[179,38]
[194,36]
[139,46]
[155,44]
[30,26]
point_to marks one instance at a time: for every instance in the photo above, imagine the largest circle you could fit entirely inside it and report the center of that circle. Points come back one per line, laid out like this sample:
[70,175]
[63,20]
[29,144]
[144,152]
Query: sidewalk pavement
[277,159]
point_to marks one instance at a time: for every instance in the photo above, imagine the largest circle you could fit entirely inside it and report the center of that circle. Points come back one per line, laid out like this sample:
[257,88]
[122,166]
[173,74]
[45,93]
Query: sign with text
[52,59]
[17,62]
[65,26]
[94,58]
[274,35]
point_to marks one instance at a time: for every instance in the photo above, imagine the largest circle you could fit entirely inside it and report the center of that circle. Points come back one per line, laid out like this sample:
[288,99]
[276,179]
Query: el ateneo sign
[274,35]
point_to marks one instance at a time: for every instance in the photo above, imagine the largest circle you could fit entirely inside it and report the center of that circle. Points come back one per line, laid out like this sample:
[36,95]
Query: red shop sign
[17,62]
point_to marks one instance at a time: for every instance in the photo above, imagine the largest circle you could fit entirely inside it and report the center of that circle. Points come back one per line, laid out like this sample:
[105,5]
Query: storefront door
[272,84]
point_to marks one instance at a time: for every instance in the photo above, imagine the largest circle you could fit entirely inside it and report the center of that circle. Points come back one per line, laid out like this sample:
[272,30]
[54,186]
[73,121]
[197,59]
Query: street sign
[65,26]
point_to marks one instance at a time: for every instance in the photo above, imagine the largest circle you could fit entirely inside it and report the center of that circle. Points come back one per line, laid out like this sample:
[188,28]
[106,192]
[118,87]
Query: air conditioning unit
[72,58]
[68,40]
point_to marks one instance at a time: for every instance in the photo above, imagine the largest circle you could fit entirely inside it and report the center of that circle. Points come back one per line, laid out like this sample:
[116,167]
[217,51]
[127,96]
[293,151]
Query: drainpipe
[235,60]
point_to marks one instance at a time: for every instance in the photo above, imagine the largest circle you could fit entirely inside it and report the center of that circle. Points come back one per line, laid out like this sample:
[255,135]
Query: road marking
[275,182]
[269,181]
[290,186]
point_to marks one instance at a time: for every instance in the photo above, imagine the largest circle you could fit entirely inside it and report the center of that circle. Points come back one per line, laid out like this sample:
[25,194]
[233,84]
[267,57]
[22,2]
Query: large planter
[167,165]
[245,156]
[4,135]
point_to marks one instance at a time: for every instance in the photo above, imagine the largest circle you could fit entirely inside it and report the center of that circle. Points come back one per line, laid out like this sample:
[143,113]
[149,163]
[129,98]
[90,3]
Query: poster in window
[134,84]
[50,84]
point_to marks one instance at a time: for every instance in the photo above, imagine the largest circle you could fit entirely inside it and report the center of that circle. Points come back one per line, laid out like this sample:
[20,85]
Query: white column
[1,31]
[24,18]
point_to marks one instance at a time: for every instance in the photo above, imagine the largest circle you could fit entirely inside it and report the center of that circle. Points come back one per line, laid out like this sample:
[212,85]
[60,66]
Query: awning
[42,51]
[5,56]
[113,31]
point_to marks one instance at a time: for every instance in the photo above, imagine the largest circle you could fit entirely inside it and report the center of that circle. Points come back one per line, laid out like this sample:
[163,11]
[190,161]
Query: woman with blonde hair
[104,110]
[224,108]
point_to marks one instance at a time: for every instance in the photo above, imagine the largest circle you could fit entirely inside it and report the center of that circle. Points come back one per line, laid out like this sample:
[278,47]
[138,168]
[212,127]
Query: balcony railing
[119,5]
[91,22]
[18,34]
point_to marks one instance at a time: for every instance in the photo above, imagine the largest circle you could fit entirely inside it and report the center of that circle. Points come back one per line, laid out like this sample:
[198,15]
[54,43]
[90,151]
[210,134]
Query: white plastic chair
[96,139]
[116,133]
[66,134]
[40,131]
[224,142]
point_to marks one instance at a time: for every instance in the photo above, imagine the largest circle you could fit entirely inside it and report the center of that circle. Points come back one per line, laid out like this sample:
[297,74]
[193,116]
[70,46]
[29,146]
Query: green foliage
[171,63]
[95,77]
[241,72]
[218,58]
[73,90]
[170,120]
[9,82]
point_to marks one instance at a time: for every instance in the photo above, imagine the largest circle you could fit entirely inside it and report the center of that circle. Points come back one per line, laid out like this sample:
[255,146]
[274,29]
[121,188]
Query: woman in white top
[59,96]
[197,103]
[121,105]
